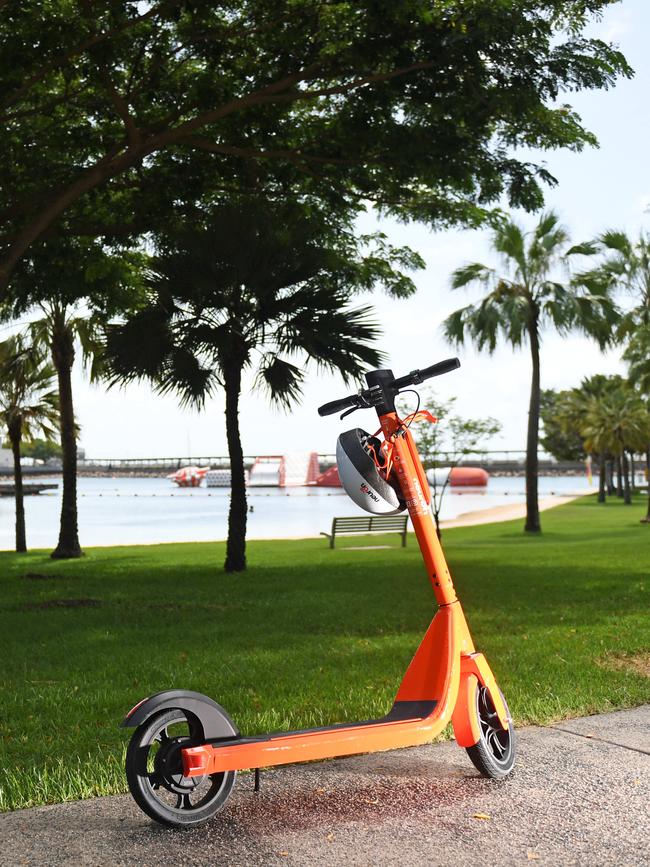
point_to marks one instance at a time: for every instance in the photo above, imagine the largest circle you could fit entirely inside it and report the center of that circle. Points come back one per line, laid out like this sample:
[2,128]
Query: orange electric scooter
[183,757]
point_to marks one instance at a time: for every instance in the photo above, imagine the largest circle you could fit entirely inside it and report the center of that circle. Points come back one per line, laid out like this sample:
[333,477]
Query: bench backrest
[359,524]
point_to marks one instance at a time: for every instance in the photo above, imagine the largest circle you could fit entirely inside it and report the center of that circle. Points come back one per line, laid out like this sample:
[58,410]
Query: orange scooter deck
[423,707]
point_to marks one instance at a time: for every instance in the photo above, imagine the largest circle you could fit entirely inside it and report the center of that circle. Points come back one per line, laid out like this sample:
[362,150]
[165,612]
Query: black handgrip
[441,367]
[339,405]
[415,377]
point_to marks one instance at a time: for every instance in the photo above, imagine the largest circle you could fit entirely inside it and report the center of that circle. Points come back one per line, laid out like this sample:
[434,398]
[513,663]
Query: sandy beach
[509,512]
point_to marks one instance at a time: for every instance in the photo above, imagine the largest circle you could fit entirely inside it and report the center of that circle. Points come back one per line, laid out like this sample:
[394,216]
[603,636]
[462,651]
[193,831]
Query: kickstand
[257,780]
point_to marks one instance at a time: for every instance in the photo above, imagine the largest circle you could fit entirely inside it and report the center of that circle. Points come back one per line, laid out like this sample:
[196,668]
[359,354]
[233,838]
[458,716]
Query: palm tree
[617,421]
[572,408]
[625,265]
[520,303]
[255,286]
[637,356]
[60,329]
[68,286]
[28,408]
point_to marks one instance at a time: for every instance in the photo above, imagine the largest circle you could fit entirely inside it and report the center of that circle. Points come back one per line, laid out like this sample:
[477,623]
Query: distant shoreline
[159,473]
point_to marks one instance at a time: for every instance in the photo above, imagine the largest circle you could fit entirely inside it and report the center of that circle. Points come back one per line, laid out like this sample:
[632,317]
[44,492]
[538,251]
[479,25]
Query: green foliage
[520,303]
[339,628]
[560,438]
[117,115]
[616,421]
[28,401]
[605,414]
[257,283]
[637,356]
[624,266]
[448,441]
[526,298]
[38,449]
[42,450]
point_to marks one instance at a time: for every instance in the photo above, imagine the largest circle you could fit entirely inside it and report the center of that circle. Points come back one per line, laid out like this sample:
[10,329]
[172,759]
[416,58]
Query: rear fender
[214,720]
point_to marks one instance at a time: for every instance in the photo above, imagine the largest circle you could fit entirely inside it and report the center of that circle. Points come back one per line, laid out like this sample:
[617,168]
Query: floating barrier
[284,471]
[188,477]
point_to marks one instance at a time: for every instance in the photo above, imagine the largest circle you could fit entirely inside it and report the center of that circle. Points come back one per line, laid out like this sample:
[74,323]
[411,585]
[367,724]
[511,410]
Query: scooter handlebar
[417,376]
[339,405]
[372,396]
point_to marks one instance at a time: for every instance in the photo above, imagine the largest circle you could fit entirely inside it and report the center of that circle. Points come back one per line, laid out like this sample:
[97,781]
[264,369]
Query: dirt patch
[186,606]
[43,576]
[61,603]
[637,663]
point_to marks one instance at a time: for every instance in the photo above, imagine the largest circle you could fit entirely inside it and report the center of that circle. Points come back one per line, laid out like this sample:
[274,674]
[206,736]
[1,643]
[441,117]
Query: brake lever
[367,398]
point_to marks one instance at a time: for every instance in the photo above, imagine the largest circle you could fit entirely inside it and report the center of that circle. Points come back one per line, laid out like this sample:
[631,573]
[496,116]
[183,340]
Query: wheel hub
[168,765]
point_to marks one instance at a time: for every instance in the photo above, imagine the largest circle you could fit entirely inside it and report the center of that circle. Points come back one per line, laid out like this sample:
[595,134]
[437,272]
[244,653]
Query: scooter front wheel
[494,754]
[154,772]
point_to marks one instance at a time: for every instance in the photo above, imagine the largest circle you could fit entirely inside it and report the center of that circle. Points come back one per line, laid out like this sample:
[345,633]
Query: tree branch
[124,155]
[206,144]
[121,108]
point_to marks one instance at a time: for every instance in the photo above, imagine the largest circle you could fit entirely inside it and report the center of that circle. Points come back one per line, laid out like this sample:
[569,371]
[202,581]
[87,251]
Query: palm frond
[616,241]
[509,241]
[585,248]
[281,379]
[28,400]
[474,272]
[330,333]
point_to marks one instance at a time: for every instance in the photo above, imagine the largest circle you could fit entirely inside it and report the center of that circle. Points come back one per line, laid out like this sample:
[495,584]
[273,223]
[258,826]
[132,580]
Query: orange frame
[439,685]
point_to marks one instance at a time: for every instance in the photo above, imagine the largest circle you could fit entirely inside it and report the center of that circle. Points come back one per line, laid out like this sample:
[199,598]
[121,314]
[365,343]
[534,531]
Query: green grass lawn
[306,636]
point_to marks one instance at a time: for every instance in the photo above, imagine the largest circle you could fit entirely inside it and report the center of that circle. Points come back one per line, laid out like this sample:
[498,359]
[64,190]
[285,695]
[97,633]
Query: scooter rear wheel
[154,772]
[494,754]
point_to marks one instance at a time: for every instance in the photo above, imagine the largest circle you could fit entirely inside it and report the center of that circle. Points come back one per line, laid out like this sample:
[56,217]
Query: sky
[602,188]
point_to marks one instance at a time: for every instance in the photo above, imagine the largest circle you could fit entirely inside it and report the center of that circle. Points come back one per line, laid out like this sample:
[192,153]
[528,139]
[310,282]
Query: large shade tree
[521,300]
[112,112]
[255,286]
[28,408]
[65,289]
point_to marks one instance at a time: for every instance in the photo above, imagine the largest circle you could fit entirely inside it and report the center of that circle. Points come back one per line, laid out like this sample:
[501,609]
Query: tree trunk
[619,476]
[602,480]
[627,493]
[15,436]
[533,524]
[63,358]
[236,545]
[610,477]
[646,520]
[632,470]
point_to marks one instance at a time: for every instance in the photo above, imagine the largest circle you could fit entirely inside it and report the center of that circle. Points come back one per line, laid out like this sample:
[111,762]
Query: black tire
[494,754]
[155,776]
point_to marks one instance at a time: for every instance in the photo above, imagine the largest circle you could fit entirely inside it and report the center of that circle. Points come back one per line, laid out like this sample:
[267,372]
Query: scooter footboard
[422,709]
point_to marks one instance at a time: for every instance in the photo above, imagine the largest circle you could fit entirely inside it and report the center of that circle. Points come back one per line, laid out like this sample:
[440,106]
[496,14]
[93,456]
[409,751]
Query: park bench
[369,524]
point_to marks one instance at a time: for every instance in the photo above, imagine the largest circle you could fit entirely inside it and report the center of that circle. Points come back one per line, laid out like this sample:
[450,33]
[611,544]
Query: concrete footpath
[580,795]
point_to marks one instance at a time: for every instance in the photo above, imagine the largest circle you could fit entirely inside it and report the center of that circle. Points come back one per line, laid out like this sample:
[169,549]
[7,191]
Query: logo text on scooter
[366,490]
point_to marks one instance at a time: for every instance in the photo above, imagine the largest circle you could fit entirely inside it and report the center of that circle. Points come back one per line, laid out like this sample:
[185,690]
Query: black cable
[417,394]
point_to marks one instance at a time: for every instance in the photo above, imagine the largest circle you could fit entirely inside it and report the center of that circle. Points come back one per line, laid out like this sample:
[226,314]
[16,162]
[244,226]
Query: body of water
[128,511]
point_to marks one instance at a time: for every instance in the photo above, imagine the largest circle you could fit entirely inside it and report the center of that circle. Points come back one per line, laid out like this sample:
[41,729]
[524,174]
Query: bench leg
[331,538]
[404,539]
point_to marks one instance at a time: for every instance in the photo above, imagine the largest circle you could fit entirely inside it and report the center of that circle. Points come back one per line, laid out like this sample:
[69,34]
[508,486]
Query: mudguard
[213,718]
[474,669]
